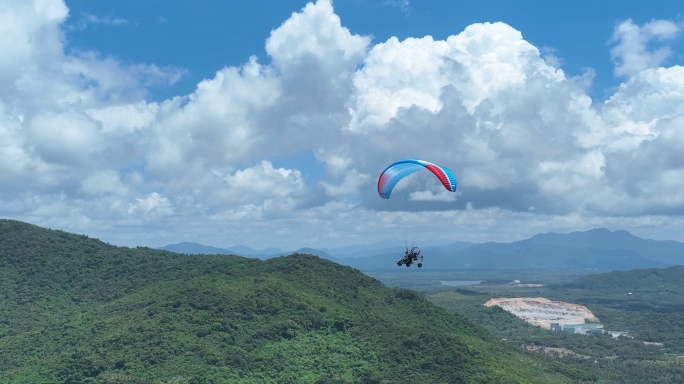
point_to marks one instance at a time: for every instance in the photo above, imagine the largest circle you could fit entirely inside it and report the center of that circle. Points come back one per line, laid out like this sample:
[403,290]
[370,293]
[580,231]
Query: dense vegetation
[622,360]
[654,279]
[648,303]
[76,310]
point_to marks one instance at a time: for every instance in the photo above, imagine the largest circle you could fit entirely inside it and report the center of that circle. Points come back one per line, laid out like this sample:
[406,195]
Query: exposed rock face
[562,352]
[542,312]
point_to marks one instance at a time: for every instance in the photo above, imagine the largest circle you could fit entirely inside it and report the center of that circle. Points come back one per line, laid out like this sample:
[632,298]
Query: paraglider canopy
[402,168]
[395,173]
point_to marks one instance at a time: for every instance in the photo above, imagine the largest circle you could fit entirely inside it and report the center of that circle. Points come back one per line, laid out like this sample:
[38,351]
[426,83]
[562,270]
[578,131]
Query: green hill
[639,279]
[77,310]
[646,302]
[656,290]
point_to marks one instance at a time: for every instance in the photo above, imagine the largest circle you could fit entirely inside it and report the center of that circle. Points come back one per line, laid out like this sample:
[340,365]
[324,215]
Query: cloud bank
[82,150]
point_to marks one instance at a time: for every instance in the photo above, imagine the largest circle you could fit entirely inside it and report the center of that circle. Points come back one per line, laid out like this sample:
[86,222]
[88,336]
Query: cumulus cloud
[263,181]
[153,203]
[631,54]
[350,185]
[81,148]
[549,55]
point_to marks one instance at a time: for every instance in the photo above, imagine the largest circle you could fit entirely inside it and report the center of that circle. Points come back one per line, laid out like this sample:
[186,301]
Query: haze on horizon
[284,149]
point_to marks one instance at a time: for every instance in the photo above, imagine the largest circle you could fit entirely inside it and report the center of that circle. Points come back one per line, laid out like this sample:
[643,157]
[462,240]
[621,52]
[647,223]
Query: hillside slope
[656,290]
[76,310]
[667,279]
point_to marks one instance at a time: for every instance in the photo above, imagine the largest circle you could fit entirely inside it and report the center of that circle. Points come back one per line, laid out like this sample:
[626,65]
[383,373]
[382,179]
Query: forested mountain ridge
[597,250]
[660,279]
[77,310]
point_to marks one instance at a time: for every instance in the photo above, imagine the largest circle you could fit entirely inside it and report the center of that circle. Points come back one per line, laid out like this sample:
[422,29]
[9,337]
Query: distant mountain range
[596,249]
[199,249]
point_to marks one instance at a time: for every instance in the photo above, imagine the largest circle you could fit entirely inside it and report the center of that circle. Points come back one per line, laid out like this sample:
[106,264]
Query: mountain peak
[597,230]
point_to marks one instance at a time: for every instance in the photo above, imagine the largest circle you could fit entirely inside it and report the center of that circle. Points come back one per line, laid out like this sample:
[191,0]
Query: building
[581,328]
[617,334]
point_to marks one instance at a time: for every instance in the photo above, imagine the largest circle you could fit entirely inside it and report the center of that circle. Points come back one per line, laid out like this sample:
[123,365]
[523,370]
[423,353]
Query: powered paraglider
[396,172]
[414,254]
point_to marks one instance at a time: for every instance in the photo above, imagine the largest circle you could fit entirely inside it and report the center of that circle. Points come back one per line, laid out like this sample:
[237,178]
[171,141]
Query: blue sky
[147,123]
[203,36]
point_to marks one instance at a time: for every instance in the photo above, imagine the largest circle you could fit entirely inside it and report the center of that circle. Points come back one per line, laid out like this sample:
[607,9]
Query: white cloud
[316,33]
[103,183]
[152,204]
[550,57]
[63,138]
[585,80]
[439,195]
[217,126]
[478,63]
[631,54]
[81,148]
[353,180]
[263,181]
[90,19]
[403,5]
[125,118]
[337,162]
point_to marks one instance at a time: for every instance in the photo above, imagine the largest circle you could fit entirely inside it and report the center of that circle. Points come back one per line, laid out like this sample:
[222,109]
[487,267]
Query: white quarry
[542,312]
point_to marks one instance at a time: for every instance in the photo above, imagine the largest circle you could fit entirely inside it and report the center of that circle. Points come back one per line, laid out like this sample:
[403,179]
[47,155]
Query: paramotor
[414,254]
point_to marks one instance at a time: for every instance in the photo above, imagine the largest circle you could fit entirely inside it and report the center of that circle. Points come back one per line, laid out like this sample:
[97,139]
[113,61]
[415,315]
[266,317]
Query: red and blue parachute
[402,168]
